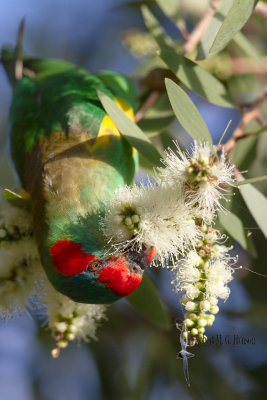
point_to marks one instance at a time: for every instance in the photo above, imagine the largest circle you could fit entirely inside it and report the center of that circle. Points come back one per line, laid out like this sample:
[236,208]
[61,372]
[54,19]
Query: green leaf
[158,117]
[130,130]
[15,199]
[196,78]
[187,113]
[252,180]
[146,166]
[188,72]
[229,18]
[146,301]
[256,203]
[248,48]
[244,152]
[155,29]
[170,8]
[235,228]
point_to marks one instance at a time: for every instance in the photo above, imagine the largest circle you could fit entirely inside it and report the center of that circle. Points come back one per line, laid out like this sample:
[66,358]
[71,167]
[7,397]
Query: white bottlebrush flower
[14,220]
[19,263]
[191,291]
[203,174]
[192,259]
[203,275]
[67,319]
[220,251]
[149,216]
[217,289]
[219,271]
[189,274]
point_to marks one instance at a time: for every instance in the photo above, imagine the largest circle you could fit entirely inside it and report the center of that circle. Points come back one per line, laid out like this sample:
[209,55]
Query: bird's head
[119,274]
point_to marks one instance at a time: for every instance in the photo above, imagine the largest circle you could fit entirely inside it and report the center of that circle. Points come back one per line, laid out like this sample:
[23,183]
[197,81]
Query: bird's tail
[18,64]
[12,59]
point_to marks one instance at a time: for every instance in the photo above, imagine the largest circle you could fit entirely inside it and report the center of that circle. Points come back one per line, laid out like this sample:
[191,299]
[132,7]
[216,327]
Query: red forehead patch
[119,278]
[68,257]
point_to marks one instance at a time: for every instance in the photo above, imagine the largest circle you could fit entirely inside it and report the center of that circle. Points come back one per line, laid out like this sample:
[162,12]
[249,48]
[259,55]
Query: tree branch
[247,116]
[196,35]
[261,9]
[150,101]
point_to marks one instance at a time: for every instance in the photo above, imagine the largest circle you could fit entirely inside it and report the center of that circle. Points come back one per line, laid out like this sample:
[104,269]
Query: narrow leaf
[188,72]
[235,228]
[196,78]
[229,18]
[156,30]
[252,180]
[158,117]
[146,166]
[187,113]
[146,301]
[130,130]
[170,8]
[244,151]
[256,203]
[15,199]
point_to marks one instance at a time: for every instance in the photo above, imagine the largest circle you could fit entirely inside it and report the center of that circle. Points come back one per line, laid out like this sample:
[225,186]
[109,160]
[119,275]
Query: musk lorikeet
[70,158]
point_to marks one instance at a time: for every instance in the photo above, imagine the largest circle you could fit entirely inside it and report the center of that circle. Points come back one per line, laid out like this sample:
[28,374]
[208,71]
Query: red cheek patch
[118,278]
[68,257]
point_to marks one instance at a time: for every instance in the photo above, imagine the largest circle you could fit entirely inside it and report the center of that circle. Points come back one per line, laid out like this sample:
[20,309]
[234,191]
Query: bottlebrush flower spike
[204,175]
[203,276]
[18,259]
[67,319]
[153,216]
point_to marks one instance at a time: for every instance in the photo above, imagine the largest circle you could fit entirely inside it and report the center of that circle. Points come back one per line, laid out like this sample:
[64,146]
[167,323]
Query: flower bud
[61,327]
[213,301]
[135,218]
[214,309]
[188,322]
[70,336]
[194,332]
[202,322]
[193,316]
[62,344]
[209,322]
[190,306]
[128,221]
[73,328]
[202,338]
[204,305]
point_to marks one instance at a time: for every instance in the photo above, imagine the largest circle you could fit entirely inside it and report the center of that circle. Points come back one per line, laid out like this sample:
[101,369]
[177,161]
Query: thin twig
[196,35]
[247,116]
[244,65]
[150,101]
[261,9]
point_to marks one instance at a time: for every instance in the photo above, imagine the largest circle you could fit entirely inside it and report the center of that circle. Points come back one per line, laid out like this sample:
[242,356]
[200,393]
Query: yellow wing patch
[107,126]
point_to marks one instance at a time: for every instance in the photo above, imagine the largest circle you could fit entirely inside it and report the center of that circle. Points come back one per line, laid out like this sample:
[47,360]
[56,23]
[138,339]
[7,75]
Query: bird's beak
[142,258]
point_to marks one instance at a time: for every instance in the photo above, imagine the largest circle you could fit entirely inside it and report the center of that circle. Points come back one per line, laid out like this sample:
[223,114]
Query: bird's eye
[94,266]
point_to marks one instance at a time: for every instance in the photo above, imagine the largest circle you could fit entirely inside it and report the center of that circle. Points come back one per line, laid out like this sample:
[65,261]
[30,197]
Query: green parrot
[70,158]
